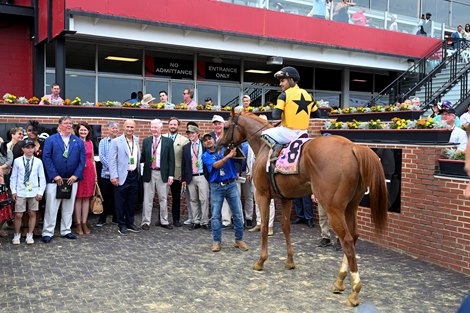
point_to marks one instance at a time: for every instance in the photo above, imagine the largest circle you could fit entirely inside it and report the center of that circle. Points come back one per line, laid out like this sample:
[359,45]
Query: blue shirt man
[222,175]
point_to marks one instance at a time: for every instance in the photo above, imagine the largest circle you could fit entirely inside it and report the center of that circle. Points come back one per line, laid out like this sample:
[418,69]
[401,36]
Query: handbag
[96,201]
[64,191]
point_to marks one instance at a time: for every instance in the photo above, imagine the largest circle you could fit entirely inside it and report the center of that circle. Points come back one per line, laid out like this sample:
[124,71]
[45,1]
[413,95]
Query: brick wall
[434,222]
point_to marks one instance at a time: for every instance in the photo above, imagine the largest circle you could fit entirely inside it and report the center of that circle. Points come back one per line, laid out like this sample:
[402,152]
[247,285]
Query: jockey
[294,106]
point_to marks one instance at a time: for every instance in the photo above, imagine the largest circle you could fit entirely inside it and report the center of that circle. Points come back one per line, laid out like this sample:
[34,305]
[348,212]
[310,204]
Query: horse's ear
[232,113]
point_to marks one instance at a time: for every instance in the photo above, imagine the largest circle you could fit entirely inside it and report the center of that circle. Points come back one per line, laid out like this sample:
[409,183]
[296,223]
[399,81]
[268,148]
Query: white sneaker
[16,239]
[29,239]
[188,222]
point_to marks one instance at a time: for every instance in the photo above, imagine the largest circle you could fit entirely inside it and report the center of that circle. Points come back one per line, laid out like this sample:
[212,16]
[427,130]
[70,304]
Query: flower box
[402,136]
[452,168]
[383,116]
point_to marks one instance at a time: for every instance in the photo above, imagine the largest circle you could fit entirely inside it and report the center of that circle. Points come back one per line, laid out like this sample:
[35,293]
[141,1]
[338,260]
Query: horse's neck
[254,131]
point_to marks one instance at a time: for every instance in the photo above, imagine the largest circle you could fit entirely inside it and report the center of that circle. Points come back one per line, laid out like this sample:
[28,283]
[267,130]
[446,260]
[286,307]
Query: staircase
[440,74]
[453,94]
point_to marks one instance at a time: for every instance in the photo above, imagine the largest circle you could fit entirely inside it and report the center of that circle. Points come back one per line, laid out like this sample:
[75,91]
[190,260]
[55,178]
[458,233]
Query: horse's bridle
[235,123]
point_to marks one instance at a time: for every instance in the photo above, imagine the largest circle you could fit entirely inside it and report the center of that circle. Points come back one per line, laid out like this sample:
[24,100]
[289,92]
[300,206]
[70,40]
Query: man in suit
[178,142]
[192,175]
[123,162]
[158,157]
[64,161]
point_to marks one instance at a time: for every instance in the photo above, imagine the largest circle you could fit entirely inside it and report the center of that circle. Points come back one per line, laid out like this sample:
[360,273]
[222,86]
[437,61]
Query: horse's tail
[372,175]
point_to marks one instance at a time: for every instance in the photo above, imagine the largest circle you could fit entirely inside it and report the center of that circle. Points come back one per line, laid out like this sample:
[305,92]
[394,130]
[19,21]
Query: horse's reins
[235,122]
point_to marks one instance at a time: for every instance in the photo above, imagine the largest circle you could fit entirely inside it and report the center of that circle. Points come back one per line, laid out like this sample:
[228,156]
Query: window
[177,91]
[404,7]
[80,56]
[360,81]
[459,14]
[117,89]
[207,91]
[333,98]
[379,5]
[154,87]
[80,86]
[439,10]
[327,79]
[229,95]
[131,64]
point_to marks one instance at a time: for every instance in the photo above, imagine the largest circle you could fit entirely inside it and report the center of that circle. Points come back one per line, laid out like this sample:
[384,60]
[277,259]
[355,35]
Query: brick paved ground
[174,271]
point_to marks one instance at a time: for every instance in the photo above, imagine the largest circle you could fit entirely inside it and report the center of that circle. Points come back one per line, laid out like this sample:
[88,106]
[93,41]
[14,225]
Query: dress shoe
[167,226]
[177,224]
[188,222]
[256,228]
[216,247]
[206,227]
[134,228]
[324,242]
[298,220]
[249,223]
[85,228]
[157,223]
[194,226]
[100,224]
[70,236]
[310,223]
[270,231]
[145,227]
[240,244]
[46,239]
[123,231]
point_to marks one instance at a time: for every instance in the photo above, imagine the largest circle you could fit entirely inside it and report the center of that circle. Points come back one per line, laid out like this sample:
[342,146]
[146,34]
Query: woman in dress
[6,160]
[86,186]
[32,132]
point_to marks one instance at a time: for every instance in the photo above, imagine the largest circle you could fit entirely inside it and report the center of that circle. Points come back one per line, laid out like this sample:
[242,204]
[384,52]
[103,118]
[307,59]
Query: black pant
[125,198]
[176,200]
[107,191]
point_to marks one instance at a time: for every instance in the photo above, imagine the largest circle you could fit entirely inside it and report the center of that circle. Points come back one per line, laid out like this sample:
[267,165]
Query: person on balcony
[340,13]
[188,95]
[294,107]
[446,104]
[54,98]
[458,38]
[458,136]
[425,25]
[359,18]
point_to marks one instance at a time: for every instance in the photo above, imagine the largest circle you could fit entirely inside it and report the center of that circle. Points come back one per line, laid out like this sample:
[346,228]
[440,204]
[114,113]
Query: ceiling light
[360,80]
[258,71]
[217,60]
[123,59]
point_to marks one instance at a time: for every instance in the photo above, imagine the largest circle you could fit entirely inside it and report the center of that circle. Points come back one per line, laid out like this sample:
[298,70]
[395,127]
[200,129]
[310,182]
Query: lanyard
[155,146]
[130,150]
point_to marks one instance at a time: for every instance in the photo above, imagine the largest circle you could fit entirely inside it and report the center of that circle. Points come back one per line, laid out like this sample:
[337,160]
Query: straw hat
[147,98]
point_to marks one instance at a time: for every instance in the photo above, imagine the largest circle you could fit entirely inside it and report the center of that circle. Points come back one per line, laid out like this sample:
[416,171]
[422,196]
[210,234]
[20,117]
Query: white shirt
[459,136]
[37,178]
[465,118]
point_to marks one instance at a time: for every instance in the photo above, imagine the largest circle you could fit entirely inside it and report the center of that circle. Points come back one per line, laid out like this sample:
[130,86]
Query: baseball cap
[218,118]
[205,135]
[208,99]
[192,129]
[448,110]
[28,142]
[246,96]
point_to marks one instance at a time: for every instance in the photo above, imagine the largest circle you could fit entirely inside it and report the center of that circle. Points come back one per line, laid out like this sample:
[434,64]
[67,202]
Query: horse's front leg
[263,203]
[286,212]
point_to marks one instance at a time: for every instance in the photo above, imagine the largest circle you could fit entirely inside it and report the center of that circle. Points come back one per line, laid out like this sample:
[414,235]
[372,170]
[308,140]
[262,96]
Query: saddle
[287,162]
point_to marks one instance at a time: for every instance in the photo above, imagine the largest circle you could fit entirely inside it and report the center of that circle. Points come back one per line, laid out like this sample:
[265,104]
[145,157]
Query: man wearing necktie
[192,175]
[178,142]
[158,157]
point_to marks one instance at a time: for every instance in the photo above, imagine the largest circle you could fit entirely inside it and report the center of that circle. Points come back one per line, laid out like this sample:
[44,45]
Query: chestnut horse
[332,168]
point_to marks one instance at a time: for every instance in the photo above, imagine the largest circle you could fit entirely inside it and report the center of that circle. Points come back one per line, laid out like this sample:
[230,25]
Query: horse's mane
[257,118]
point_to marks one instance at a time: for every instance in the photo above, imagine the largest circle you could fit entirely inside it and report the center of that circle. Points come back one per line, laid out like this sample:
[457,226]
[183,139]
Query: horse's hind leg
[348,237]
[353,298]
[286,212]
[263,203]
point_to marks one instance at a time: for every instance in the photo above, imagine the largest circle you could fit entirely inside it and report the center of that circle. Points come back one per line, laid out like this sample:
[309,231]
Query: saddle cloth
[288,161]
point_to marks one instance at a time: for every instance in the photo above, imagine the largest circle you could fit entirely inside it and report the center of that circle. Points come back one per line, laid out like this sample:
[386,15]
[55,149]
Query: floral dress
[86,186]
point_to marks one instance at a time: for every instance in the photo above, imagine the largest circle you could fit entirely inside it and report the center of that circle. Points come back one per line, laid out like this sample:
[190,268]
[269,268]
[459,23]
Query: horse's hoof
[289,266]
[338,288]
[353,300]
[258,267]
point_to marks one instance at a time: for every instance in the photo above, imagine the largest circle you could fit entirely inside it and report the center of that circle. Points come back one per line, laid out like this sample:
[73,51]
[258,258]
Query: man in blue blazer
[158,157]
[64,161]
[124,169]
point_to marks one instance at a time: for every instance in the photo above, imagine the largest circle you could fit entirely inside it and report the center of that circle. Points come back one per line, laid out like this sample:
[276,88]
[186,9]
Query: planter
[324,112]
[452,168]
[383,116]
[401,136]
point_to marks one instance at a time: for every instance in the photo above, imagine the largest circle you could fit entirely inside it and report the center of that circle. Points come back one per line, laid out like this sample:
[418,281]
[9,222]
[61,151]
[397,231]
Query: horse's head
[233,133]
